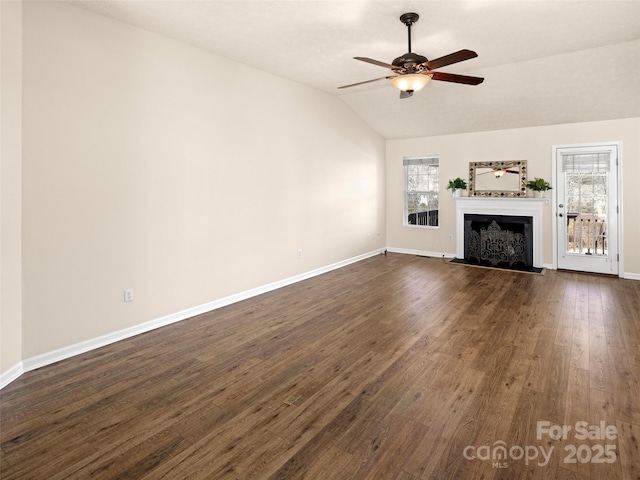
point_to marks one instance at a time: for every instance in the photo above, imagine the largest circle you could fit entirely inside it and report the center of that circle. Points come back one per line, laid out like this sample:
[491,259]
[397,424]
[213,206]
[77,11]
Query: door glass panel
[586,200]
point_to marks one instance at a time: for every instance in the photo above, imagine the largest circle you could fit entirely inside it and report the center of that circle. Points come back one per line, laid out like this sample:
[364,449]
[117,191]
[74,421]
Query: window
[421,191]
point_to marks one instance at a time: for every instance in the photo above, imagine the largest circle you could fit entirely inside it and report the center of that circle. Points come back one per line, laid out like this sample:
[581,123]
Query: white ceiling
[544,62]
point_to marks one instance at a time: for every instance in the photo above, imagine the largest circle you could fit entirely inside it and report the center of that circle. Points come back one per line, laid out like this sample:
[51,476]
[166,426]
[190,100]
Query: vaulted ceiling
[544,62]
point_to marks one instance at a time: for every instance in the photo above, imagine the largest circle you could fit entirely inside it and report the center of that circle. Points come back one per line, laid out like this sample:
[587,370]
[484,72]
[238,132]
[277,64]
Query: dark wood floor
[405,366]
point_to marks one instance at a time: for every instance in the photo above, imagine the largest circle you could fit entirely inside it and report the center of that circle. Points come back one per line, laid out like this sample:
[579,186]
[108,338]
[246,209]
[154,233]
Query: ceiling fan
[413,71]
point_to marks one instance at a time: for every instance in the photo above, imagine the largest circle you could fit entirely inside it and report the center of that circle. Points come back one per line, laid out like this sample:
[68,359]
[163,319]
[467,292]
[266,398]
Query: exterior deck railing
[428,218]
[587,234]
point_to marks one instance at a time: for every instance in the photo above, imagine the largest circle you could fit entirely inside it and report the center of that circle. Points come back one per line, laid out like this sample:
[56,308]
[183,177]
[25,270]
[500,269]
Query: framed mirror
[498,179]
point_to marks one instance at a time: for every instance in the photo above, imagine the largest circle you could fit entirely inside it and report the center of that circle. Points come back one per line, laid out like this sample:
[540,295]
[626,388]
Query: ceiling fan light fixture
[410,82]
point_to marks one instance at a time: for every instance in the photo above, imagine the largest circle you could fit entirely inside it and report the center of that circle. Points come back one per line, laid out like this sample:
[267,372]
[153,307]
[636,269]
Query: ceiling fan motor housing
[411,61]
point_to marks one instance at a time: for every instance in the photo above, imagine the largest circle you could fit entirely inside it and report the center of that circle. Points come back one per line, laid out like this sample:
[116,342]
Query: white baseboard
[625,275]
[10,375]
[631,276]
[422,253]
[83,347]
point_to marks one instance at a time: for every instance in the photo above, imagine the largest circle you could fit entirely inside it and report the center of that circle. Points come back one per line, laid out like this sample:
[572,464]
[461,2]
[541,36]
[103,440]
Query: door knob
[560,215]
[561,205]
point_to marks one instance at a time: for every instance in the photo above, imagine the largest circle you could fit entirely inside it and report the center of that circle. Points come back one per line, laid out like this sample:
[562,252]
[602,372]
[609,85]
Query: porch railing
[428,218]
[586,234]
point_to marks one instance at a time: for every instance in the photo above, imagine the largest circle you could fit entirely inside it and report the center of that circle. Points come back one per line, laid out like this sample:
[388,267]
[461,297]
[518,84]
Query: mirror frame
[521,191]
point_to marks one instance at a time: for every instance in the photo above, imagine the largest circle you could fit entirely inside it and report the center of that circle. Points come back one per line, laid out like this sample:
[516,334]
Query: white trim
[620,213]
[521,207]
[72,350]
[422,253]
[10,375]
[630,276]
[554,207]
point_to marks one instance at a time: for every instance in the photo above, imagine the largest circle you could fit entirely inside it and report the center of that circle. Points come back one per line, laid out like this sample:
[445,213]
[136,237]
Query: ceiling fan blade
[367,81]
[377,62]
[405,94]
[459,56]
[452,77]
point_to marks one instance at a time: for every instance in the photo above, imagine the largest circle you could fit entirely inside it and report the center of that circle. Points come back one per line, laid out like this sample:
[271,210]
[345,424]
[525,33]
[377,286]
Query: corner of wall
[11,191]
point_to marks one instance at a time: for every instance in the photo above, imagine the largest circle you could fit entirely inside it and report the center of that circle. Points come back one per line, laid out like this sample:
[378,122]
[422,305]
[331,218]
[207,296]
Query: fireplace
[498,240]
[515,217]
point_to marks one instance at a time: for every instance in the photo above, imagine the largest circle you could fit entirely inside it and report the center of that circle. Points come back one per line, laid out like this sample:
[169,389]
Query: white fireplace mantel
[522,207]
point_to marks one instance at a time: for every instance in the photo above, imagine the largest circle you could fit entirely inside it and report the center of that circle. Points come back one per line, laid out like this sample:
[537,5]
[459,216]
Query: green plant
[538,185]
[456,184]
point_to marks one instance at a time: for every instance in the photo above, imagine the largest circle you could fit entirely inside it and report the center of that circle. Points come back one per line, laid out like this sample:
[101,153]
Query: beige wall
[153,165]
[531,144]
[10,186]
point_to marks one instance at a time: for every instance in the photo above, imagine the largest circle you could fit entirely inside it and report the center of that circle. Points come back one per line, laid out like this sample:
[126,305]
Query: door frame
[554,205]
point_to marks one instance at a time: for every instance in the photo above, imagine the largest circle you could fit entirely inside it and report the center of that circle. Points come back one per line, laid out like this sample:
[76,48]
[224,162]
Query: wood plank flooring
[407,368]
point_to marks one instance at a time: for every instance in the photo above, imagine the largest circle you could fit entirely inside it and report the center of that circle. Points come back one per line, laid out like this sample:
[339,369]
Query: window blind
[420,161]
[586,162]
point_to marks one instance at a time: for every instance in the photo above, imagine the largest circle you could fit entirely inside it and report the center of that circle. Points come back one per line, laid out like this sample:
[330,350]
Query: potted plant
[456,186]
[538,186]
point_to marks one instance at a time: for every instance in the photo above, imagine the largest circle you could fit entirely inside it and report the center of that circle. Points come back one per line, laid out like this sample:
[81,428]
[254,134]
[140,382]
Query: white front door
[587,208]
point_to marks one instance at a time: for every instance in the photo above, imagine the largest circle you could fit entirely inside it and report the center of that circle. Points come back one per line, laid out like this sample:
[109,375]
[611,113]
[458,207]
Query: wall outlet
[299,253]
[128,295]
[450,237]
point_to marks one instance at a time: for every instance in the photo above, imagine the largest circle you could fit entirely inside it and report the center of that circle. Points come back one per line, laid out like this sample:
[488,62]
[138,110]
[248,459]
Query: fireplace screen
[498,240]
